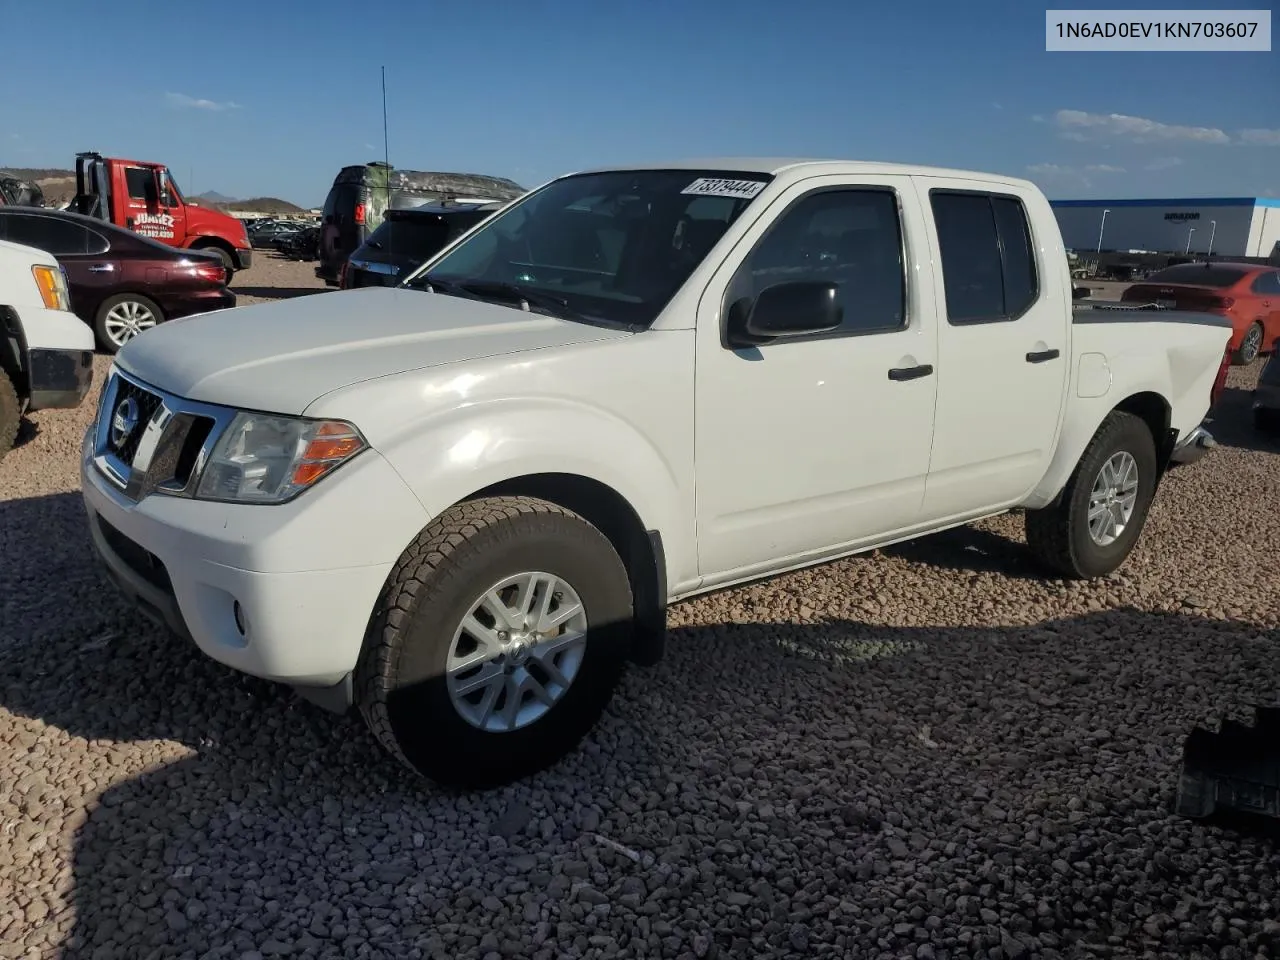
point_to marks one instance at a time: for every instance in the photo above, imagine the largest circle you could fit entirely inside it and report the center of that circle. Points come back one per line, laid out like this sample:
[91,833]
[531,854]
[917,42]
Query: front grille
[148,403]
[140,560]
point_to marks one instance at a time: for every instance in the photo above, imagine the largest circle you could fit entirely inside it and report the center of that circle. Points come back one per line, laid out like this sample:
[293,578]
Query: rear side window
[52,235]
[416,239]
[988,258]
[1268,283]
[1197,275]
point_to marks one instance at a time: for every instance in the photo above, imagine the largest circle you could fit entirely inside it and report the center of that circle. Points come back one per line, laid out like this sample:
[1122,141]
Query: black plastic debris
[1233,771]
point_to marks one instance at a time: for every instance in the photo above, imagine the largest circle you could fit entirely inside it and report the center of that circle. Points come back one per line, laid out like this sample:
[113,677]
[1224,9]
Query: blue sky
[272,98]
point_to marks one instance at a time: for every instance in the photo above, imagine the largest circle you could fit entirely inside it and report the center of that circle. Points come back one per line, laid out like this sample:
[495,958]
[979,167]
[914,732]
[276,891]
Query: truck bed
[1124,313]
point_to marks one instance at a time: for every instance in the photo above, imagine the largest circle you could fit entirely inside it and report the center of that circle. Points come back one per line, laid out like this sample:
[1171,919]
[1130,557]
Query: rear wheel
[123,317]
[497,642]
[1250,347]
[10,414]
[1092,529]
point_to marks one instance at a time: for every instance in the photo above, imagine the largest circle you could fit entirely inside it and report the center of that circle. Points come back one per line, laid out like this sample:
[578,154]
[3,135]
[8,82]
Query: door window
[850,237]
[988,258]
[140,182]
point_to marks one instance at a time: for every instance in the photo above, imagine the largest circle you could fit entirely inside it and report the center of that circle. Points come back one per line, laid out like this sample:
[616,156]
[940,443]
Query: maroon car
[122,283]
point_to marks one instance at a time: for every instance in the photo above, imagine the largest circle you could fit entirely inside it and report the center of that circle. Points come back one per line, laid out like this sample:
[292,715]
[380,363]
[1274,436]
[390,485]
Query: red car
[121,283]
[1247,294]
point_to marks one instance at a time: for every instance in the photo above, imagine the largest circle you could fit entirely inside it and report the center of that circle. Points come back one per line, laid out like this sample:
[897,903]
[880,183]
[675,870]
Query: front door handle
[1040,356]
[911,373]
[101,268]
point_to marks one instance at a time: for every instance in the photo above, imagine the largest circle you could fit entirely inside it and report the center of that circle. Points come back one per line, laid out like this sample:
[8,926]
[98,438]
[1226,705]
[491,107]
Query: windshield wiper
[546,302]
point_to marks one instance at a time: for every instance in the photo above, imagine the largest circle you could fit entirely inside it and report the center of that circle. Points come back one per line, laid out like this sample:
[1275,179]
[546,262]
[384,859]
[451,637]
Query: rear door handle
[101,268]
[1040,356]
[911,373]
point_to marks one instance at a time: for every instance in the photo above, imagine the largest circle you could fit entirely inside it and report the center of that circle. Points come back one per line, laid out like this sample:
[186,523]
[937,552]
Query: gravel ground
[926,752]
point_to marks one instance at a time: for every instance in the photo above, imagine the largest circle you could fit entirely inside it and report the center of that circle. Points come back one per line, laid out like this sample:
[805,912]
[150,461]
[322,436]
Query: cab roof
[777,166]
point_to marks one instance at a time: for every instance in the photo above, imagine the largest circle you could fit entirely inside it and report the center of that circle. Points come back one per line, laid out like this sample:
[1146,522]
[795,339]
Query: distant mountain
[262,205]
[212,196]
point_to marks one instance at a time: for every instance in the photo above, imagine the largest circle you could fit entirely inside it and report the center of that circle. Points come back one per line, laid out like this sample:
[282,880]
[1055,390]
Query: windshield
[612,246]
[1197,274]
[174,198]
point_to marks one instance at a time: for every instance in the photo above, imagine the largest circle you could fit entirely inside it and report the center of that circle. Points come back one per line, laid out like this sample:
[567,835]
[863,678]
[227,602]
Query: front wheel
[123,317]
[497,642]
[10,414]
[1094,526]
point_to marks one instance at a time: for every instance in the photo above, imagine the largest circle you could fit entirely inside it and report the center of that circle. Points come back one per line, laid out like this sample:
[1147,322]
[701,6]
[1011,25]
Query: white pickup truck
[46,351]
[462,504]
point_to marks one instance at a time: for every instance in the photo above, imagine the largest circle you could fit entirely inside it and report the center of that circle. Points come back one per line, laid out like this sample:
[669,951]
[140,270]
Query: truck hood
[279,357]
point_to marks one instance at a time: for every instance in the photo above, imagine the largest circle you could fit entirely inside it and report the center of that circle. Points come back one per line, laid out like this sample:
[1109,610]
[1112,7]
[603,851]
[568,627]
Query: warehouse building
[1226,226]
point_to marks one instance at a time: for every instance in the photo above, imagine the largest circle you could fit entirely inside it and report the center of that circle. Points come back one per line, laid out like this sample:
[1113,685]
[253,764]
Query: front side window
[612,246]
[988,258]
[850,237]
[140,182]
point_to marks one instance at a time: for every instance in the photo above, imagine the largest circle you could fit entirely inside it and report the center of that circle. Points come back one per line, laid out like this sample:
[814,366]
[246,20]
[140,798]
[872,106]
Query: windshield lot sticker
[719,187]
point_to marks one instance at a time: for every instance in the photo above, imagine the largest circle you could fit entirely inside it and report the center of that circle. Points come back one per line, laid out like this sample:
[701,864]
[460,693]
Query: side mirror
[794,308]
[1079,293]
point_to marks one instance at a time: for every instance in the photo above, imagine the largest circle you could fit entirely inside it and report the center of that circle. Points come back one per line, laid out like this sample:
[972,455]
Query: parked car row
[120,282]
[363,193]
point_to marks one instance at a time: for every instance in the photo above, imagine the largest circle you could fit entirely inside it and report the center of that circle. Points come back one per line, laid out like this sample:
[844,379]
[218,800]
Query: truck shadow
[1232,423]
[255,822]
[970,549]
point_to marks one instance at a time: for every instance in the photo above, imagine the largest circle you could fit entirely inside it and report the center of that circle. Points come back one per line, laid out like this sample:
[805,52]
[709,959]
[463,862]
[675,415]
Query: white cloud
[1261,137]
[1164,163]
[1066,175]
[997,106]
[194,103]
[1037,118]
[1079,125]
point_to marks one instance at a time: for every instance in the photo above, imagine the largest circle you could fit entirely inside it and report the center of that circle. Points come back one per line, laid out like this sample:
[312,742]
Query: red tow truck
[144,198]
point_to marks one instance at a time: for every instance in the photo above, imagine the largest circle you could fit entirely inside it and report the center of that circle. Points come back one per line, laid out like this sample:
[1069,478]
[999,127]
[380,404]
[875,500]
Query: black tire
[10,414]
[1266,421]
[1058,535]
[400,684]
[1250,346]
[228,262]
[100,320]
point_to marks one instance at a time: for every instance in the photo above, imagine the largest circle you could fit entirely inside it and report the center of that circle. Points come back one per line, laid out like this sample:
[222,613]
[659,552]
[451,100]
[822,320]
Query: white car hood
[279,357]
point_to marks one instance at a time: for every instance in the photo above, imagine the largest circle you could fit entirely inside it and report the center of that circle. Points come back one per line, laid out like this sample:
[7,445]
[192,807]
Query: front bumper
[1193,446]
[282,592]
[58,378]
[243,258]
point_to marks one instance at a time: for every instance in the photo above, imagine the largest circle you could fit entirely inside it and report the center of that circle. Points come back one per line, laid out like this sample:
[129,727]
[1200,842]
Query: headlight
[270,459]
[52,282]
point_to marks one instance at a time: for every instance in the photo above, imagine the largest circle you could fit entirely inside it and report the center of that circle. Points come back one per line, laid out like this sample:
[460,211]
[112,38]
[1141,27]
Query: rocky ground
[928,752]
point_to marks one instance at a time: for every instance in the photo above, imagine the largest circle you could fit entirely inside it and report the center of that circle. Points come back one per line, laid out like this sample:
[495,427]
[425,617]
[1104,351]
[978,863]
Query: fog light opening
[241,620]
